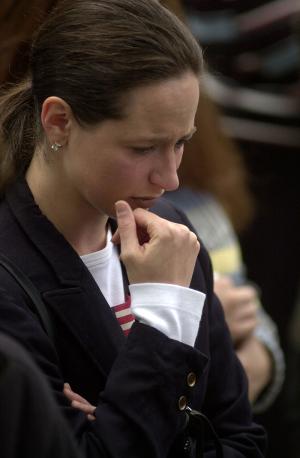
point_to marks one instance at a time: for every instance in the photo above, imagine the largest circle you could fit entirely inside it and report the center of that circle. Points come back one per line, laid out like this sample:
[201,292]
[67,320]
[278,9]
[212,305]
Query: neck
[81,225]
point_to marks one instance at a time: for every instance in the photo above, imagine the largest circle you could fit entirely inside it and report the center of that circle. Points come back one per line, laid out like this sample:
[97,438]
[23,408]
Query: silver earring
[56,146]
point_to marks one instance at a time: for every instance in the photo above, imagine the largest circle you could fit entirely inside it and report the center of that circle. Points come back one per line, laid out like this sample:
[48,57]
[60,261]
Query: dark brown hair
[91,53]
[18,21]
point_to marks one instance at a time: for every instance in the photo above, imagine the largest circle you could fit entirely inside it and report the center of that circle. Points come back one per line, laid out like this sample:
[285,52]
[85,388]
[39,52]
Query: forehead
[169,104]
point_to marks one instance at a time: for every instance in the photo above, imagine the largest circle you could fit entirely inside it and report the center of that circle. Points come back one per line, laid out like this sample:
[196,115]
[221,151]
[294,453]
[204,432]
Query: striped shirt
[124,315]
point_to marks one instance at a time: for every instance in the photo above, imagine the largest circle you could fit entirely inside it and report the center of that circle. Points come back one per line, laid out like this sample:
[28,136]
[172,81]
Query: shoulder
[166,209]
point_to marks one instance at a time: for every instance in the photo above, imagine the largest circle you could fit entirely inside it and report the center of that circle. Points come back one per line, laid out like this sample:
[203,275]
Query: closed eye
[180,143]
[184,140]
[143,149]
[151,148]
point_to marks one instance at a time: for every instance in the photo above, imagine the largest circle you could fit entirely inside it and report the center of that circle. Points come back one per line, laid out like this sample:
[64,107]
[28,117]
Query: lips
[143,202]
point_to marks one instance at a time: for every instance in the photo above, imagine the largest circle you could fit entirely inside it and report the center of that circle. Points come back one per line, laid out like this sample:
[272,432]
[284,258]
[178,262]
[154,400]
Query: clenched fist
[168,253]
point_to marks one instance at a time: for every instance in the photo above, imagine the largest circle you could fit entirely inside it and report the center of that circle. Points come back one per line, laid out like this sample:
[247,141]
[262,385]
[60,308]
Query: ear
[56,118]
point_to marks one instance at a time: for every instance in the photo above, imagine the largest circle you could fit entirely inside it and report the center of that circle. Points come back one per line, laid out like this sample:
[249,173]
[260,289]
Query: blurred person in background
[214,186]
[252,53]
[292,393]
[252,50]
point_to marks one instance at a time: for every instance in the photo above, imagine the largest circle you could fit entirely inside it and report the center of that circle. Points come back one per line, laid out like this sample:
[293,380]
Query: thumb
[126,225]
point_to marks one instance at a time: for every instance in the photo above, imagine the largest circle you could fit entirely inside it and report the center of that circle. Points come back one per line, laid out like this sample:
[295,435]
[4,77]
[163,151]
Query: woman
[93,138]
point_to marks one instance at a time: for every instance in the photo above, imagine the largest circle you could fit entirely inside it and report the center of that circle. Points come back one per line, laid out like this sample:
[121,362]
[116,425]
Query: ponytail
[17,139]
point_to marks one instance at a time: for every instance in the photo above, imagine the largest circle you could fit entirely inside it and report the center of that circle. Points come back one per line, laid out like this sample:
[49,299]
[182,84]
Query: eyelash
[144,150]
[181,143]
[150,149]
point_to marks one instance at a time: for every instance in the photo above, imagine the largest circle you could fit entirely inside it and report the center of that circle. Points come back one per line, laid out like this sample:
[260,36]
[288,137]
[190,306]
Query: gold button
[191,379]
[182,403]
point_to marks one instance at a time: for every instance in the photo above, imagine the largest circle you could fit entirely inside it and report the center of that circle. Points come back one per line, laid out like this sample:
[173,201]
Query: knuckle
[168,230]
[184,232]
[194,239]
[184,229]
[193,236]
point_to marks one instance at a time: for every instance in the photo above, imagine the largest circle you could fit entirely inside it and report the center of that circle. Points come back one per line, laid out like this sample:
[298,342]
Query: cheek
[134,170]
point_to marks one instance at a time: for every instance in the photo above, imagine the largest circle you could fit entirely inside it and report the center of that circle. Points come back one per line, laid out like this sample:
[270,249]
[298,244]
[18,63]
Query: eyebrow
[190,134]
[157,138]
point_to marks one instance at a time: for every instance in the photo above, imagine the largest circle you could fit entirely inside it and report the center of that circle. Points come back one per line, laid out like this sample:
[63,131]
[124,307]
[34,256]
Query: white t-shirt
[174,310]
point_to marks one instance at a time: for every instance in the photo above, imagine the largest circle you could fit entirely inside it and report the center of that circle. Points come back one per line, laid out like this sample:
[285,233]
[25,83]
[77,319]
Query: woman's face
[136,158]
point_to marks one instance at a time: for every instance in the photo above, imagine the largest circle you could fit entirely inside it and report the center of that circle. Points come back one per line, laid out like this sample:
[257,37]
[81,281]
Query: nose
[164,173]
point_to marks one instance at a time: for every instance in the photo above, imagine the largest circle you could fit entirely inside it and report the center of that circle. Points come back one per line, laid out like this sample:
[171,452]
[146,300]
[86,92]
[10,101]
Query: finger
[222,281]
[146,220]
[244,329]
[238,301]
[74,396]
[245,294]
[67,387]
[91,417]
[142,236]
[116,238]
[246,311]
[126,225]
[86,408]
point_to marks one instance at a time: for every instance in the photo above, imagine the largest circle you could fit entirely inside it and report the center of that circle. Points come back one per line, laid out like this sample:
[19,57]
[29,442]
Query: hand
[257,362]
[168,253]
[79,403]
[240,304]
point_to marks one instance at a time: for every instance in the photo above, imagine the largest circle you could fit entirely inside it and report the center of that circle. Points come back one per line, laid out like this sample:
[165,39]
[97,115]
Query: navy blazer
[136,382]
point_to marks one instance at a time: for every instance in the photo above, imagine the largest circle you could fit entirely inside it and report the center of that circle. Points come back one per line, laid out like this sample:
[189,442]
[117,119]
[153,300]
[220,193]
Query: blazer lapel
[90,320]
[70,290]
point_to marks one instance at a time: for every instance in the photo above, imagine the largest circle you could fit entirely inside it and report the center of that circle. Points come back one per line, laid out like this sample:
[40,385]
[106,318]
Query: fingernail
[121,208]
